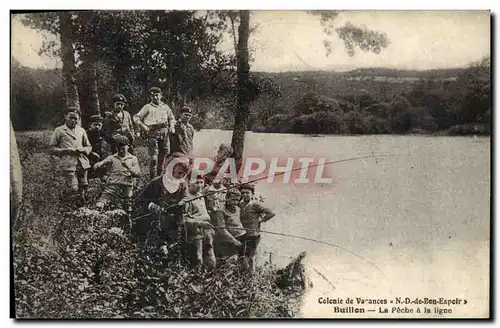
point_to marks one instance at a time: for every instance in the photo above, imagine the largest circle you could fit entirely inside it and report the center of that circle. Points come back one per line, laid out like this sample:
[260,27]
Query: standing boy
[156,120]
[200,235]
[71,144]
[117,123]
[123,170]
[97,142]
[253,213]
[182,139]
[229,230]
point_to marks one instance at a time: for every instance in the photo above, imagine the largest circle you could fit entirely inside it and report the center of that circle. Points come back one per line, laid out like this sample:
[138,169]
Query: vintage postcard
[250,164]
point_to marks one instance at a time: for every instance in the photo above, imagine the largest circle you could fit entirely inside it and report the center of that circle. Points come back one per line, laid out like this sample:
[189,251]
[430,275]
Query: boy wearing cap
[118,122]
[156,120]
[252,214]
[71,144]
[94,133]
[122,169]
[182,139]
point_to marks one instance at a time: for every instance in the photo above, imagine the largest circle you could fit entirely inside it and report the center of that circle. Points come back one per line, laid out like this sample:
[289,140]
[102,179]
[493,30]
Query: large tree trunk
[147,97]
[89,89]
[16,177]
[235,42]
[68,59]
[243,68]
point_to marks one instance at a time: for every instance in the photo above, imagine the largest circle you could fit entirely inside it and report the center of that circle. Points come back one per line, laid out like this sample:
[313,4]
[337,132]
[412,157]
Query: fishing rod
[225,189]
[308,239]
[272,232]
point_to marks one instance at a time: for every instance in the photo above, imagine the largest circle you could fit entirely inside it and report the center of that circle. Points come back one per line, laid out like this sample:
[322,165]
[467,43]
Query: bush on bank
[79,263]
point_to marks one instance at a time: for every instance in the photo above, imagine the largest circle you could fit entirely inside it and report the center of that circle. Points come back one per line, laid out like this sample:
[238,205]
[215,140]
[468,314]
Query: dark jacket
[182,139]
[114,125]
[97,141]
[156,193]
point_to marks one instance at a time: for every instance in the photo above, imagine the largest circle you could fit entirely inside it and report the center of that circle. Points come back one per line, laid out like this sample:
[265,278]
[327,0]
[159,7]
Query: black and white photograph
[250,164]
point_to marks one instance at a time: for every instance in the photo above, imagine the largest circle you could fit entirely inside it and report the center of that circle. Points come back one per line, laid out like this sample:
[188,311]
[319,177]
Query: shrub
[312,103]
[357,122]
[94,270]
[469,129]
[421,119]
[319,123]
[379,109]
[399,114]
[279,124]
[377,125]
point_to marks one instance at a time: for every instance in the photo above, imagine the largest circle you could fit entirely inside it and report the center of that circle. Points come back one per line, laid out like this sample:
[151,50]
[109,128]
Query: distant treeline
[448,101]
[453,101]
[444,73]
[441,73]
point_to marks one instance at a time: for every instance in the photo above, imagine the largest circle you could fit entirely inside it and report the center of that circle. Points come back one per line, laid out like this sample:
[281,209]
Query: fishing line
[312,240]
[309,239]
[277,233]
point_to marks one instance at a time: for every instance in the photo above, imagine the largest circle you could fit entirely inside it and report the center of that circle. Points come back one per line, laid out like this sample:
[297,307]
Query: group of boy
[83,152]
[214,220]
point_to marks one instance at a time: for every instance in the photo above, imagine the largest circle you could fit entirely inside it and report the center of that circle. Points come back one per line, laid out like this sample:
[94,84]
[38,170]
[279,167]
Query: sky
[293,41]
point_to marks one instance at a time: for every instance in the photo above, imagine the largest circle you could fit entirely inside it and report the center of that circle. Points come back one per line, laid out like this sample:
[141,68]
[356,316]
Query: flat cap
[119,98]
[96,118]
[186,109]
[154,90]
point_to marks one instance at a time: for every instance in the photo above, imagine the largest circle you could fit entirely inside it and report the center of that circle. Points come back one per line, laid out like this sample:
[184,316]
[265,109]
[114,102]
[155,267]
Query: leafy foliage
[353,36]
[362,37]
[435,104]
[79,263]
[36,97]
[176,50]
[454,104]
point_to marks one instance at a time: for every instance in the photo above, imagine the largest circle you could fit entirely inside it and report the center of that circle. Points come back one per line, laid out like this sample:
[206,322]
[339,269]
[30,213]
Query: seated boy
[122,170]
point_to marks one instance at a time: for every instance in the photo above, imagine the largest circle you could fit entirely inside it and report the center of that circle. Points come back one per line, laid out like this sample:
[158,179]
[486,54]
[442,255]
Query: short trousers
[158,140]
[116,192]
[75,179]
[250,244]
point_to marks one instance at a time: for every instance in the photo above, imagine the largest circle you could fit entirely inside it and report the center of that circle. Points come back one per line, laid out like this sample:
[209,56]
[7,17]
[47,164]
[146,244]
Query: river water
[412,224]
